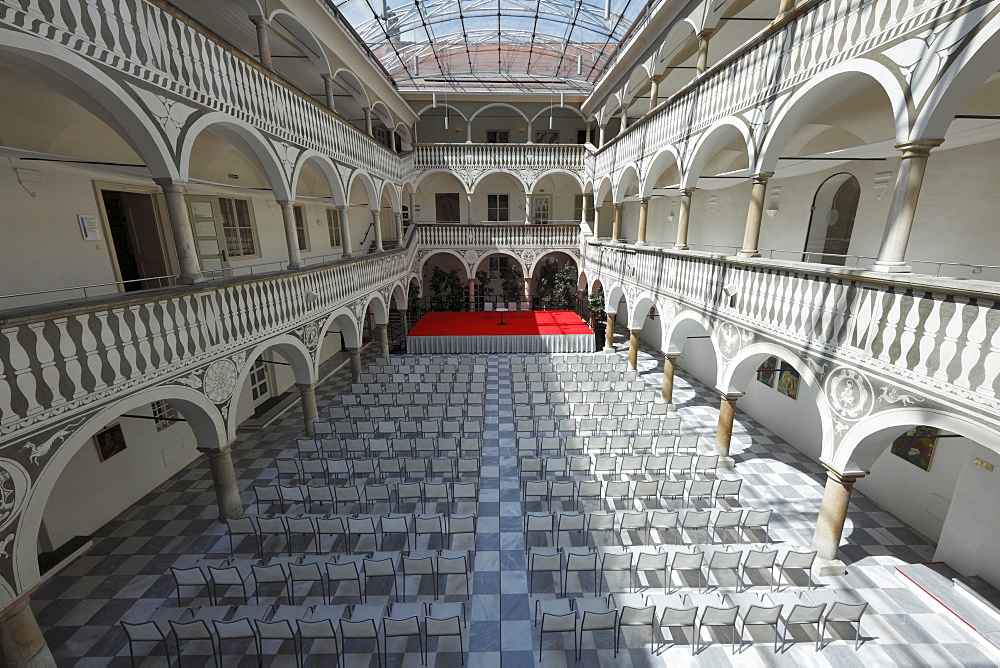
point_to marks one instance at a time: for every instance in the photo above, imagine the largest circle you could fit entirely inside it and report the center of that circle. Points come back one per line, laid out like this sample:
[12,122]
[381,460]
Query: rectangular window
[258,380]
[498,136]
[578,207]
[498,263]
[581,136]
[164,413]
[300,227]
[498,208]
[547,137]
[237,224]
[542,209]
[333,224]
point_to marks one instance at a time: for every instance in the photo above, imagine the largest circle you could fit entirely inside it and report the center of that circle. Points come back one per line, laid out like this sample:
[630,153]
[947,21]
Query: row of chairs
[405,428]
[702,560]
[575,492]
[676,522]
[330,447]
[665,613]
[417,492]
[578,391]
[379,468]
[423,387]
[400,409]
[336,623]
[609,426]
[381,398]
[602,464]
[315,527]
[598,410]
[605,443]
[420,374]
[581,372]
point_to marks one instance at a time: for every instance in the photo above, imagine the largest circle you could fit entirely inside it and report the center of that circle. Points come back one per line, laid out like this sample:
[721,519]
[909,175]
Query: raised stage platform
[481,332]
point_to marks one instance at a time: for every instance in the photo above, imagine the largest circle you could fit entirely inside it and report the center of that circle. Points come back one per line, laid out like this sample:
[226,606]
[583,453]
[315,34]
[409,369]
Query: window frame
[497,131]
[251,226]
[301,227]
[334,227]
[490,208]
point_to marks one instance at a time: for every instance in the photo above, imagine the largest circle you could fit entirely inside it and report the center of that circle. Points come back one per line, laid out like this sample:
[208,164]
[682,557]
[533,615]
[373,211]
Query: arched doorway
[834,208]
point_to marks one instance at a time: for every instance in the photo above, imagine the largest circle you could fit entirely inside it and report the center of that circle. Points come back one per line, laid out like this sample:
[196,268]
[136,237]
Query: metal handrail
[90,285]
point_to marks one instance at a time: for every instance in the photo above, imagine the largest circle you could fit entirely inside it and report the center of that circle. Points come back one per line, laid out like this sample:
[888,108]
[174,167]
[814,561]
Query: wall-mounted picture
[768,371]
[917,446]
[788,381]
[110,442]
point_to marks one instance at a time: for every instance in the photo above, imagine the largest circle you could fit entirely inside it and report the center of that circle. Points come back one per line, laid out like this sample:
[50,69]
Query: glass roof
[423,42]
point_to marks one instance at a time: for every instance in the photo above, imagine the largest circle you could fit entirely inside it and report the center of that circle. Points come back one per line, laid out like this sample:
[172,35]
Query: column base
[829,567]
[191,279]
[640,243]
[608,349]
[748,253]
[727,463]
[293,266]
[684,247]
[893,267]
[671,409]
[346,255]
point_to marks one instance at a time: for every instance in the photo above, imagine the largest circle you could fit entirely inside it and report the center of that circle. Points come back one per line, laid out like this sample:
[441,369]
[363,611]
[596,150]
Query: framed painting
[768,371]
[917,446]
[788,381]
[110,441]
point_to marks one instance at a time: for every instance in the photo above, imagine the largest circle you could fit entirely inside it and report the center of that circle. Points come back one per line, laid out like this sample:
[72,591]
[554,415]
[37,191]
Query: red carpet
[479,323]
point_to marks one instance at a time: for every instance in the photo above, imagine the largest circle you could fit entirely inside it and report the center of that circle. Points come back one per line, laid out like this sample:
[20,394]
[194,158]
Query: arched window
[833,211]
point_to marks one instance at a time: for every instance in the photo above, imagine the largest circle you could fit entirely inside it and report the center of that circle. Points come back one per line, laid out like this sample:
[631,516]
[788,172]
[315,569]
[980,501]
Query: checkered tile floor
[126,575]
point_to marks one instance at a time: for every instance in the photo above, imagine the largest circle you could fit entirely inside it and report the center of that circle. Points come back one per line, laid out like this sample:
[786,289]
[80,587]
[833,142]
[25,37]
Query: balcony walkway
[126,574]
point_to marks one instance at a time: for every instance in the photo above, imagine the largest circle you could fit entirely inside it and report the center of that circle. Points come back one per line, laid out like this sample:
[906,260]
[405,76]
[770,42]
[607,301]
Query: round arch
[512,175]
[612,296]
[344,318]
[602,191]
[378,308]
[96,92]
[201,414]
[353,85]
[970,68]
[398,296]
[683,325]
[406,141]
[431,172]
[327,168]
[662,161]
[292,350]
[516,259]
[554,255]
[446,251]
[582,282]
[867,439]
[679,33]
[361,176]
[237,132]
[820,93]
[720,135]
[558,172]
[389,191]
[640,310]
[556,106]
[494,105]
[629,174]
[381,111]
[441,105]
[314,51]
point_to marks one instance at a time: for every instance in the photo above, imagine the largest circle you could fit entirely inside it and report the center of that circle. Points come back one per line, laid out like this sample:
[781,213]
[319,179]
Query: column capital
[168,184]
[218,452]
[342,208]
[259,21]
[327,76]
[637,332]
[851,473]
[283,203]
[731,397]
[761,177]
[706,33]
[918,147]
[306,386]
[376,213]
[687,192]
[671,356]
[644,200]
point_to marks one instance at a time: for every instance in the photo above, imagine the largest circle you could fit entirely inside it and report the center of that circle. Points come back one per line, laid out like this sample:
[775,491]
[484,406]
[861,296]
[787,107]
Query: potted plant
[598,317]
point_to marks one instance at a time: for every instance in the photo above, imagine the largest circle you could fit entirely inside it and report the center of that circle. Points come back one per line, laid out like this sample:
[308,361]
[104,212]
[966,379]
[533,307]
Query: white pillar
[909,178]
[830,522]
[22,644]
[368,121]
[310,411]
[654,93]
[643,217]
[601,134]
[291,235]
[616,224]
[345,232]
[751,235]
[355,354]
[398,216]
[263,44]
[382,334]
[413,208]
[590,125]
[180,228]
[724,429]
[330,95]
[703,38]
[227,492]
[377,222]
[468,208]
[684,219]
[527,209]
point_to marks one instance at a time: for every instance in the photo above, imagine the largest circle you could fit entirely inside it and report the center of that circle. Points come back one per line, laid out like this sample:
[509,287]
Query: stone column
[468,208]
[180,228]
[904,204]
[368,121]
[609,335]
[616,223]
[590,125]
[382,334]
[468,134]
[355,364]
[633,348]
[703,38]
[654,93]
[830,523]
[785,7]
[724,430]
[377,222]
[585,215]
[527,209]
[22,644]
[684,219]
[310,411]
[413,208]
[227,493]
[291,235]
[330,95]
[667,393]
[643,217]
[263,44]
[602,131]
[345,232]
[528,292]
[624,123]
[398,217]
[751,235]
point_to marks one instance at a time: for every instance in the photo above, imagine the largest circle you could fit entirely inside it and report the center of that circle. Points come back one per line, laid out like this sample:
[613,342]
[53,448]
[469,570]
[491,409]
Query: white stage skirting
[533,343]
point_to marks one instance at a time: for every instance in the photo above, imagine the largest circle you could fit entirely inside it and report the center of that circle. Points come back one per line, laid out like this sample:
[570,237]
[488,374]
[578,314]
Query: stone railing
[816,36]
[471,161]
[167,53]
[917,339]
[556,237]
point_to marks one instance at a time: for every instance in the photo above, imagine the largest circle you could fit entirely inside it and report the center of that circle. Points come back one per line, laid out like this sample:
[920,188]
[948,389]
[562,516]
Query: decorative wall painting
[768,371]
[110,441]
[917,446]
[788,381]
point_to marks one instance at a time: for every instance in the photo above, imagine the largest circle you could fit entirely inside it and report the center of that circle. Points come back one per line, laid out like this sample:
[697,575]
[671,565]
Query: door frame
[159,210]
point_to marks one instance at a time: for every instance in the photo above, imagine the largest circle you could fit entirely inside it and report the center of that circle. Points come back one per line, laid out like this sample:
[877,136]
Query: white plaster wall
[970,537]
[91,493]
[796,421]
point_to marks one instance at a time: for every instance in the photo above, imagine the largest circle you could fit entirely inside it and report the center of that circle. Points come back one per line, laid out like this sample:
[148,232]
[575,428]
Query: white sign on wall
[90,228]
